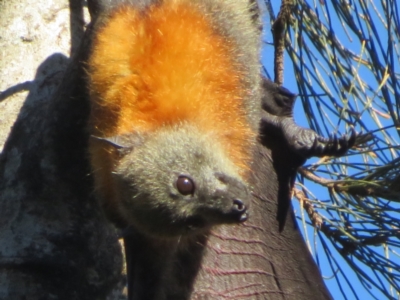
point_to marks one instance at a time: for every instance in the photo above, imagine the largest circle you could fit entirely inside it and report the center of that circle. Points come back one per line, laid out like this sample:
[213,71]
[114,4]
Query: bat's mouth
[194,223]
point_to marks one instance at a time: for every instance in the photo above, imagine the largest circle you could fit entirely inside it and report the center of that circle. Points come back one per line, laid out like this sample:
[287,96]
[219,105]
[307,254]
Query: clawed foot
[306,142]
[334,145]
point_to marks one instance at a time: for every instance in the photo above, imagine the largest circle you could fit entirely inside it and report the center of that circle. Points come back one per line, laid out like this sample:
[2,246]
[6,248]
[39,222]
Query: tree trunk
[254,260]
[55,241]
[247,261]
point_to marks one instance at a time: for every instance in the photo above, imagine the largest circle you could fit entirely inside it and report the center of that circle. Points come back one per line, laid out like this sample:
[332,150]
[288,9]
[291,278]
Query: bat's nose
[239,209]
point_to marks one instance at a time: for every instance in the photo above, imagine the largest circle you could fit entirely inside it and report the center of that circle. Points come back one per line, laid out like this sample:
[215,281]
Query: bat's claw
[333,146]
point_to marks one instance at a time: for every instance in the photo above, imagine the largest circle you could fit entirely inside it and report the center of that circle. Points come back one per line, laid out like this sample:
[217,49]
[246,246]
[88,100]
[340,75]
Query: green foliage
[346,60]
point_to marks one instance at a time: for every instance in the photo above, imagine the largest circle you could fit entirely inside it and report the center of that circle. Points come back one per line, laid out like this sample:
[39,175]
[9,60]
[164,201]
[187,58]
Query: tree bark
[254,260]
[57,244]
[55,241]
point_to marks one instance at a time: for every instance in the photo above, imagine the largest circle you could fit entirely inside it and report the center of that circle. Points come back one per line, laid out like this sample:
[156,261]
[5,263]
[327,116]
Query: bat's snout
[239,210]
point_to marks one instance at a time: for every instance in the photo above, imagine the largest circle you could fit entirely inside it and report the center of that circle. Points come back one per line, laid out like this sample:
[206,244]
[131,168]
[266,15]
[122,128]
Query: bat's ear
[122,144]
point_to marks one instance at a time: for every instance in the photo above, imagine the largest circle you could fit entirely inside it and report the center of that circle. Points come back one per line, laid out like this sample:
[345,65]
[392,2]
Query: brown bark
[254,260]
[248,261]
[279,34]
[55,242]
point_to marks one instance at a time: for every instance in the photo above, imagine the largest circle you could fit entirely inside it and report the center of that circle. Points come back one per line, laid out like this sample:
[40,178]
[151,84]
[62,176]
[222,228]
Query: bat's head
[177,181]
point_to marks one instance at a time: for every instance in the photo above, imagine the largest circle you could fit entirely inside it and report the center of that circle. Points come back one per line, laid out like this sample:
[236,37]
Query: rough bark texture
[55,242]
[254,260]
[249,261]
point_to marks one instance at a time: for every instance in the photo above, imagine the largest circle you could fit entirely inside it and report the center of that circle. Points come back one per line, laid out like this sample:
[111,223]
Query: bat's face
[177,182]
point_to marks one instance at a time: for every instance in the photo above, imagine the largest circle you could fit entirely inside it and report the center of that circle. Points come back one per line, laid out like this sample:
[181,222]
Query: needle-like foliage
[346,61]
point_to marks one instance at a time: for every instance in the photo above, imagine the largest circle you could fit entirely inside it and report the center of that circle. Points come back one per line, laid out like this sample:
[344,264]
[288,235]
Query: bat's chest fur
[165,66]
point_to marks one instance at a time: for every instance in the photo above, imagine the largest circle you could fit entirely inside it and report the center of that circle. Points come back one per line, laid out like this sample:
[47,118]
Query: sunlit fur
[168,64]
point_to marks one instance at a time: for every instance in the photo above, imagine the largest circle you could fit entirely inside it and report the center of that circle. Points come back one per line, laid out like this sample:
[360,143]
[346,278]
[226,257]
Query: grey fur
[146,179]
[146,174]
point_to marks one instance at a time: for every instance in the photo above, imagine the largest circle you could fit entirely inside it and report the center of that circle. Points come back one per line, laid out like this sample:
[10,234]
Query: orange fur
[167,66]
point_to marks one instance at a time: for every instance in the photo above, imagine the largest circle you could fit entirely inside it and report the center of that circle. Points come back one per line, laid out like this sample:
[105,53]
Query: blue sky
[353,289]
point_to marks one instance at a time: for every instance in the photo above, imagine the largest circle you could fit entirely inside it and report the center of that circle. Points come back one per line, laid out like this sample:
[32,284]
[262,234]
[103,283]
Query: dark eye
[185,185]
